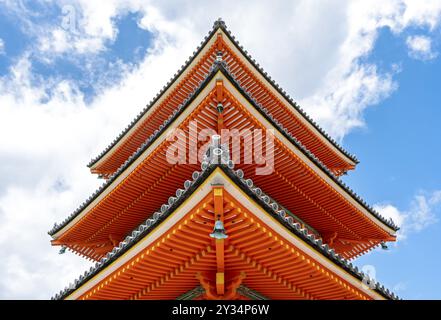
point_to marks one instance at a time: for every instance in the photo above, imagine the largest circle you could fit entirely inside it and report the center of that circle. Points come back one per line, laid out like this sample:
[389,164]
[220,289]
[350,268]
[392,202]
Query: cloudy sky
[73,74]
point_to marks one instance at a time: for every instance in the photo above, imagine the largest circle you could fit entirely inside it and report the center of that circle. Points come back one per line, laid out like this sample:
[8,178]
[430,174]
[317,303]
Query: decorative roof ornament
[219,23]
[219,231]
[384,245]
[219,55]
[217,153]
[217,63]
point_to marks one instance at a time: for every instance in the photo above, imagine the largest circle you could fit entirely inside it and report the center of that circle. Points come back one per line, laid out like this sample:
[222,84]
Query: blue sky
[73,74]
[125,49]
[400,153]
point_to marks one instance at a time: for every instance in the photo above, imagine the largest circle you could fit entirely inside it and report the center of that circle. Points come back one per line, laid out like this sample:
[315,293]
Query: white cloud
[421,13]
[58,41]
[421,214]
[400,287]
[44,178]
[420,47]
[314,49]
[351,85]
[2,46]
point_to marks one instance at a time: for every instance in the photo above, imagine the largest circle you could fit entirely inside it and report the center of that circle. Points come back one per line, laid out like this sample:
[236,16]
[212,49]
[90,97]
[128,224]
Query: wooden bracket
[231,289]
[329,238]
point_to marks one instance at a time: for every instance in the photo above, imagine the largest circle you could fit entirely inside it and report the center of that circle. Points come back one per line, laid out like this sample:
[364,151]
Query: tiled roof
[220,24]
[221,66]
[247,185]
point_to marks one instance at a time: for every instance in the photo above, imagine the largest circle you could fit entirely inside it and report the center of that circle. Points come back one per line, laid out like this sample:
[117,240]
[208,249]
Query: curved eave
[234,184]
[351,160]
[124,171]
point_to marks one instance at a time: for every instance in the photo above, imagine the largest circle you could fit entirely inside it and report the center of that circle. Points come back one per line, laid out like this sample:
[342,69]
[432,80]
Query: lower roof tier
[177,250]
[298,183]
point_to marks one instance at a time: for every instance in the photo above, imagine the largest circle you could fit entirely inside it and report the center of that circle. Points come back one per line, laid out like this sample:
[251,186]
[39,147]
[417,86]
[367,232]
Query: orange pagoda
[183,215]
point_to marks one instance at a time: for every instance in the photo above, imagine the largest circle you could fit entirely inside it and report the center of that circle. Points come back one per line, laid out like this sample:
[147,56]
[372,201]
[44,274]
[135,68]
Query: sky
[73,74]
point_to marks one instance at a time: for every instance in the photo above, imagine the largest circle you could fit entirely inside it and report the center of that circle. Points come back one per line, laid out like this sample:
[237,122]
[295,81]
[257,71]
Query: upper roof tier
[252,78]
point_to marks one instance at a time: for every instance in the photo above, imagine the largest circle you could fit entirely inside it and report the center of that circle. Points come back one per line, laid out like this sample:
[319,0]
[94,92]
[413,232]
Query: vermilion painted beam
[218,199]
[220,99]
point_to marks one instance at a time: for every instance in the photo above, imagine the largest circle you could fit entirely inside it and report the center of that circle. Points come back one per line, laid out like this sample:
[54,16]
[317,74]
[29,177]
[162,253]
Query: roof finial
[219,23]
[219,55]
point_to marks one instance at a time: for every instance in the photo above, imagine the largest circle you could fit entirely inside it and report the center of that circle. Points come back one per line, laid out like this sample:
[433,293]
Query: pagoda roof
[221,67]
[218,174]
[331,145]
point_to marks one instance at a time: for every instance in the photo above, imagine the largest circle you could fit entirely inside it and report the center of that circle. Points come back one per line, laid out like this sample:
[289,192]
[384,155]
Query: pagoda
[274,221]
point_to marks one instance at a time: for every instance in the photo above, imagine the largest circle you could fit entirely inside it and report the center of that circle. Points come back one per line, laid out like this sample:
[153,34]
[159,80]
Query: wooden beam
[177,270]
[270,273]
[220,262]
[218,200]
[220,42]
[220,99]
